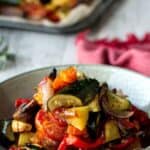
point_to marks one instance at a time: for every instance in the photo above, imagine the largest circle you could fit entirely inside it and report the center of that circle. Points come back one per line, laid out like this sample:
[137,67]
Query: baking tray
[87,22]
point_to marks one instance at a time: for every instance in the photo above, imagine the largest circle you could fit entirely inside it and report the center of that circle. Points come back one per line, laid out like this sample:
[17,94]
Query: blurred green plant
[4,54]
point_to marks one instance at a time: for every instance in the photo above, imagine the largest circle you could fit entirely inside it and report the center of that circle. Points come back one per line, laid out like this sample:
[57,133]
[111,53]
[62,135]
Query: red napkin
[132,53]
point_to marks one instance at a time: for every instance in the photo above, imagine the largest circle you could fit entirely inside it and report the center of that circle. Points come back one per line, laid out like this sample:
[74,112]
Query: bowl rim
[76,65]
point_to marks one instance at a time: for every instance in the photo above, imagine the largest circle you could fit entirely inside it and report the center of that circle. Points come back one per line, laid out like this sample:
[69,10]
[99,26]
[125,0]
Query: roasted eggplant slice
[85,89]
[7,136]
[33,147]
[27,112]
[53,74]
[93,124]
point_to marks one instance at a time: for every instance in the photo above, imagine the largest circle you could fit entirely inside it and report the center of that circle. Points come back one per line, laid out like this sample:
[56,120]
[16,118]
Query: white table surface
[34,50]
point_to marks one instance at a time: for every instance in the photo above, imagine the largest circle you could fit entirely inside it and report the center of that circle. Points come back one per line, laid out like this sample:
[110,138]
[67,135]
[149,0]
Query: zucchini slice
[94,105]
[25,138]
[111,131]
[85,89]
[116,106]
[118,103]
[63,100]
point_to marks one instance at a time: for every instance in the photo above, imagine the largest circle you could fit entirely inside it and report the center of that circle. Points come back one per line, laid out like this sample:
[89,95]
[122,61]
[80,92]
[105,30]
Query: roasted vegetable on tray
[52,10]
[73,111]
[10,2]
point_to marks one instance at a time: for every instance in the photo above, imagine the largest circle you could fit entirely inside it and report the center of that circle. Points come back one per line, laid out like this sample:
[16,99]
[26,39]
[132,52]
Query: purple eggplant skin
[26,113]
[53,74]
[93,124]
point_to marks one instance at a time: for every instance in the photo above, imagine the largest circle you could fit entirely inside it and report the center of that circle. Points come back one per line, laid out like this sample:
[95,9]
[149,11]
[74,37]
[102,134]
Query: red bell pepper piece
[124,144]
[21,101]
[127,124]
[14,148]
[141,116]
[53,16]
[70,140]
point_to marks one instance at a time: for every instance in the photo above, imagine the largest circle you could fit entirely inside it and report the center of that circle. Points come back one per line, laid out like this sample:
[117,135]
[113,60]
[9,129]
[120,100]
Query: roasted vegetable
[7,136]
[10,2]
[44,92]
[34,147]
[71,130]
[80,113]
[130,143]
[145,137]
[118,103]
[65,77]
[80,118]
[103,92]
[49,128]
[62,100]
[45,1]
[19,126]
[118,114]
[26,112]
[9,10]
[53,74]
[25,138]
[111,131]
[115,105]
[93,124]
[85,89]
[79,143]
[94,105]
[21,102]
[56,4]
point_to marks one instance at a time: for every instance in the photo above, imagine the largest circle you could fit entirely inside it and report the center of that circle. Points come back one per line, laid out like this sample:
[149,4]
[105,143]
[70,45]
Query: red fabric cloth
[132,53]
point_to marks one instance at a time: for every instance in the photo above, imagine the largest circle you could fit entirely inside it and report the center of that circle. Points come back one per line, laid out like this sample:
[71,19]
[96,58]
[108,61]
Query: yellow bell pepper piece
[80,119]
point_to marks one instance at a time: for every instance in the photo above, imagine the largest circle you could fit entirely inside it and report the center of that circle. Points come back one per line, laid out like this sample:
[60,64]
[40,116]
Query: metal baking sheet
[83,24]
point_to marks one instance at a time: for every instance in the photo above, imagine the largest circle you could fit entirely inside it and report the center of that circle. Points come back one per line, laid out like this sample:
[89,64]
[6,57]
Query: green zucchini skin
[118,103]
[85,89]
